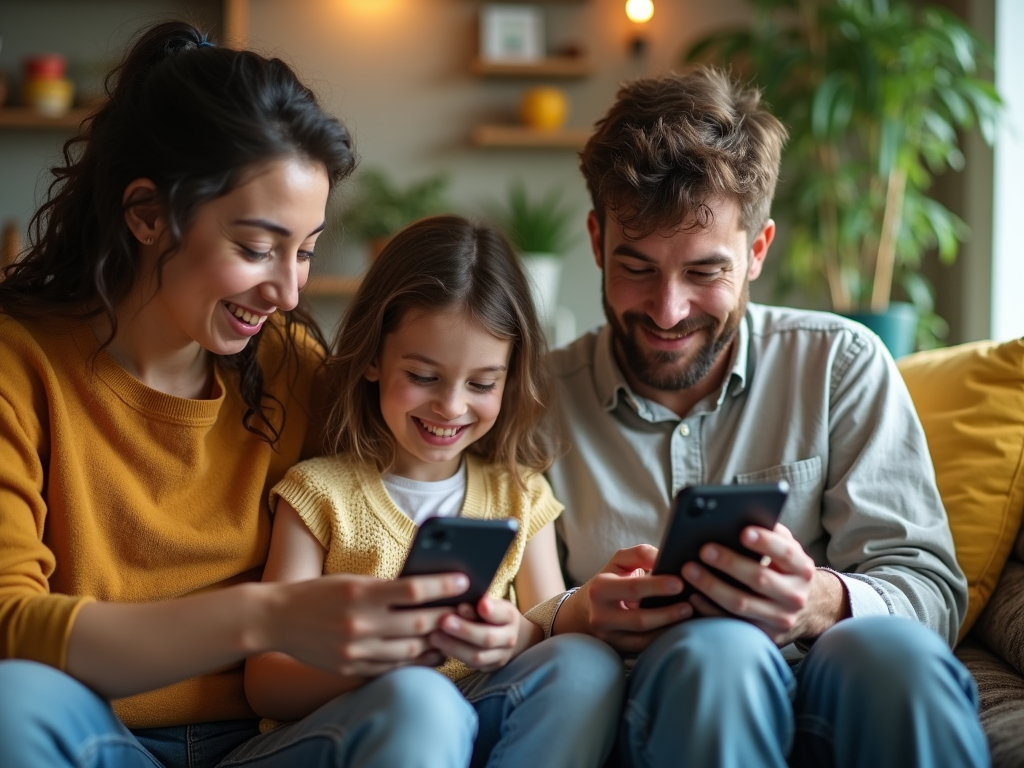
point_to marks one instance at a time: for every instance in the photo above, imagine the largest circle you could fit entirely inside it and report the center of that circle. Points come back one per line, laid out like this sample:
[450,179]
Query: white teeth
[439,431]
[244,315]
[667,336]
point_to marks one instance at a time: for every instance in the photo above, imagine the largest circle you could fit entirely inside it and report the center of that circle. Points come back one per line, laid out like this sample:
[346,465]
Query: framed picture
[511,32]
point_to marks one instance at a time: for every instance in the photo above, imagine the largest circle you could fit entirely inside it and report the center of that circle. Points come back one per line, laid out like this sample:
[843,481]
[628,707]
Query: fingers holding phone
[779,576]
[486,637]
[608,606]
[363,635]
[734,557]
[775,593]
[711,519]
[425,590]
[480,631]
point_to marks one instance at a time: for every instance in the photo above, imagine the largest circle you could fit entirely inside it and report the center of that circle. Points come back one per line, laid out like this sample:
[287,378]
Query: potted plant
[874,93]
[381,207]
[539,230]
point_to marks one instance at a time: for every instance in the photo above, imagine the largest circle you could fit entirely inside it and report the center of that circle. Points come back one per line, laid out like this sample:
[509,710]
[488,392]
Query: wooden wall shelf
[235,35]
[332,285]
[553,66]
[25,117]
[521,136]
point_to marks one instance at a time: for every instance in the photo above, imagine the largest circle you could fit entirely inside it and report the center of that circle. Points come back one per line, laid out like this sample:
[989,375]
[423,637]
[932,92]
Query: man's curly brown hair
[673,143]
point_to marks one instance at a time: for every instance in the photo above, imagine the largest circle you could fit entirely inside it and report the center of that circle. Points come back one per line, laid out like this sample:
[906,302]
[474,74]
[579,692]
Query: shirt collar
[608,377]
[739,371]
[611,383]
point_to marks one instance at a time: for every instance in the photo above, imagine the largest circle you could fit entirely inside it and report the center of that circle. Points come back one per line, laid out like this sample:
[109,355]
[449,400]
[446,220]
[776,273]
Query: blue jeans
[409,717]
[556,704]
[878,691]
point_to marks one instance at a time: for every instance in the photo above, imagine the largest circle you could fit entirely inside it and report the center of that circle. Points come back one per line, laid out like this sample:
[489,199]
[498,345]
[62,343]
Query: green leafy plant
[534,226]
[874,93]
[380,207]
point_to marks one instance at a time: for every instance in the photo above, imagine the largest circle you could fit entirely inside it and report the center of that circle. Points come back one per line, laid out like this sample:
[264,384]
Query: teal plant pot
[897,327]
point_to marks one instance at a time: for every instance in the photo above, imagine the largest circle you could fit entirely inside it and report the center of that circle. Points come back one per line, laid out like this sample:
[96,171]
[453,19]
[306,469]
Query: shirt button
[684,430]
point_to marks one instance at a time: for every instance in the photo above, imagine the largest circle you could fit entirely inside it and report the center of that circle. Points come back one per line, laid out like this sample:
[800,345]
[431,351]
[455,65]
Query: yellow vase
[544,108]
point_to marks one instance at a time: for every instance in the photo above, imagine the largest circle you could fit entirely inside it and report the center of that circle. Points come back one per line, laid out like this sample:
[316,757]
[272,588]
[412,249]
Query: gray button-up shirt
[810,398]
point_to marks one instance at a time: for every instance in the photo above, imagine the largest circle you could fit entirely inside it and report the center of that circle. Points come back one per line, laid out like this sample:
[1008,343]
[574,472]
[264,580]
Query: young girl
[438,390]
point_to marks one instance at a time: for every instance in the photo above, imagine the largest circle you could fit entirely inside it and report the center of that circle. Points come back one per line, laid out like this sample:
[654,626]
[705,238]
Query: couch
[970,399]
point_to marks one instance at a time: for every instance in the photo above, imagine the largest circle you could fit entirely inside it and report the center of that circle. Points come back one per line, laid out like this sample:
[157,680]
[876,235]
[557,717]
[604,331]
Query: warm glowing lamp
[639,11]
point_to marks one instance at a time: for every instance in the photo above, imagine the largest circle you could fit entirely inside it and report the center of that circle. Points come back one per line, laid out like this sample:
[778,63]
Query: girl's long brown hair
[443,264]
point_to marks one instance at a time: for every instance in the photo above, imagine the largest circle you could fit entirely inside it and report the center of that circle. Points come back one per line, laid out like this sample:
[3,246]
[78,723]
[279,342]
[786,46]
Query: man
[689,384]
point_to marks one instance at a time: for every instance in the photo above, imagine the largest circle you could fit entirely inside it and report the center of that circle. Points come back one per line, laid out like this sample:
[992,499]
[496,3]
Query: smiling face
[675,300]
[441,378]
[244,256]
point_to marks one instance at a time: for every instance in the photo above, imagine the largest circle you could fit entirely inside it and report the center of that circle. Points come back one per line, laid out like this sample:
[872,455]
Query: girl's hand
[486,638]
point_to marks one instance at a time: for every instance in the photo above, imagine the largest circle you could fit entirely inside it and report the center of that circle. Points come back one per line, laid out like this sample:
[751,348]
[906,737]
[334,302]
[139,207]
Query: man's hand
[793,600]
[486,638]
[607,606]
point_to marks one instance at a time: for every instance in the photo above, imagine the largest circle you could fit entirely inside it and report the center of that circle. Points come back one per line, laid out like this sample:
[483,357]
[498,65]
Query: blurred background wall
[399,73]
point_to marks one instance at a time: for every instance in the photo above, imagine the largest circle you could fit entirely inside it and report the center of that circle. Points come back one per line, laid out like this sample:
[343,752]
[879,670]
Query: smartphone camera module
[438,539]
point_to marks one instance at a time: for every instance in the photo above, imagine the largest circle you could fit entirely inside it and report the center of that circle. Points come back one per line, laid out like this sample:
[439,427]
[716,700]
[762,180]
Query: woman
[156,383]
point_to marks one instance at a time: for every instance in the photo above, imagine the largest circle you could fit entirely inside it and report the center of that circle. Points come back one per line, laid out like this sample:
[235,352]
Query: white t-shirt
[419,499]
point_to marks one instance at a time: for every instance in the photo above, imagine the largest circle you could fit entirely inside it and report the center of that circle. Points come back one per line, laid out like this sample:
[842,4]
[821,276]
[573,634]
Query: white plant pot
[544,271]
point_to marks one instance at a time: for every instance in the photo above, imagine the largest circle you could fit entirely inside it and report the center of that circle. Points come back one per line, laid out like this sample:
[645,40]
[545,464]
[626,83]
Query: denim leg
[556,704]
[709,692]
[201,745]
[884,691]
[48,718]
[412,717]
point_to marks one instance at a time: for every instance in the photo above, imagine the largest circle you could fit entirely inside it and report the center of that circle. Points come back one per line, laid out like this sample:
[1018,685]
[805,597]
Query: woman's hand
[348,625]
[332,633]
[339,631]
[486,638]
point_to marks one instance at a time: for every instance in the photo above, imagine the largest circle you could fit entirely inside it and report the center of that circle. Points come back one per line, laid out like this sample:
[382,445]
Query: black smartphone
[460,545]
[716,514]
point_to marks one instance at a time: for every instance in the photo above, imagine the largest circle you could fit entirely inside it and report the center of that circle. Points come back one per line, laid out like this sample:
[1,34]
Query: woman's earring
[149,241]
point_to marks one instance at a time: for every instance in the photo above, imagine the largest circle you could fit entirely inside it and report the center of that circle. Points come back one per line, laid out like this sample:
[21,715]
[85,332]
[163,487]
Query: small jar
[45,88]
[51,97]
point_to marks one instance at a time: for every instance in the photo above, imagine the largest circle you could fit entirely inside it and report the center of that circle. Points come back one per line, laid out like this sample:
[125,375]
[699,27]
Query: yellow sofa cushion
[970,399]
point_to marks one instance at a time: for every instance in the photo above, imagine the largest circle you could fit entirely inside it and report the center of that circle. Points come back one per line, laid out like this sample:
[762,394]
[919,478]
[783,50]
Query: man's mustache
[683,327]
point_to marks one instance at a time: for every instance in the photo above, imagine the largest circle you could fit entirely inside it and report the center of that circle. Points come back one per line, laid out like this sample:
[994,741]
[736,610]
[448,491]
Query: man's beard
[664,370]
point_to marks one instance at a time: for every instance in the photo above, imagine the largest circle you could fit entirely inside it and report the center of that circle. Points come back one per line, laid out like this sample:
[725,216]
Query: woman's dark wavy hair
[196,120]
[443,264]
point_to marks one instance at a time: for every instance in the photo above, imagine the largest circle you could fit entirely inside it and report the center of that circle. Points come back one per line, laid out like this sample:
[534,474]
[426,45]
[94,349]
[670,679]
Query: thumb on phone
[633,561]
[496,611]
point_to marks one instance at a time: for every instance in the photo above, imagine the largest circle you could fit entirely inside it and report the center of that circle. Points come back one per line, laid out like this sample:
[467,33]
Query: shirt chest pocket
[805,487]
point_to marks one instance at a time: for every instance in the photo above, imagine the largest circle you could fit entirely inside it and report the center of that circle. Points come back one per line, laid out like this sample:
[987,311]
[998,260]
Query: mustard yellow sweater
[347,508]
[113,491]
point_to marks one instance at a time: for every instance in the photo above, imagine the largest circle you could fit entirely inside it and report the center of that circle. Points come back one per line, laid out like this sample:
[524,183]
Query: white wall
[1007,313]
